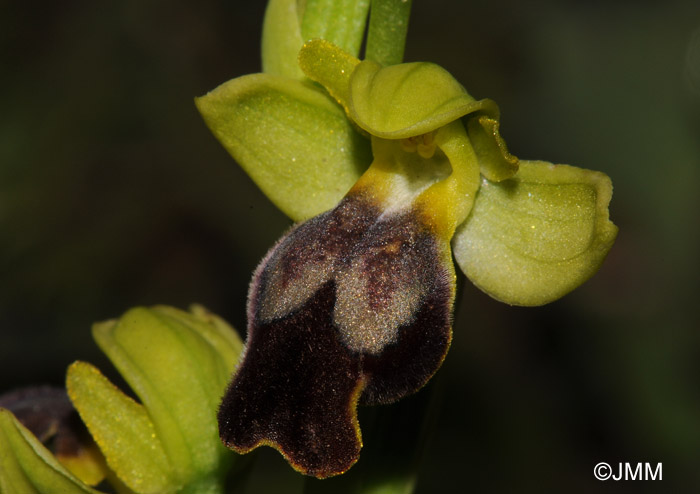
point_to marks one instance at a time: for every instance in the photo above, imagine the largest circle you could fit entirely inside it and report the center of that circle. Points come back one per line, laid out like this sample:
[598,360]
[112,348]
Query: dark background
[114,194]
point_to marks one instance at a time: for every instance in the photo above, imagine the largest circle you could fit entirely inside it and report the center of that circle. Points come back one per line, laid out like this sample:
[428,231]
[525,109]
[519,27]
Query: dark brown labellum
[353,305]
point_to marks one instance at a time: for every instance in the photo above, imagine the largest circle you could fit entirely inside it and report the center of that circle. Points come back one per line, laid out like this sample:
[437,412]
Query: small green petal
[535,237]
[179,375]
[27,467]
[282,39]
[125,435]
[330,66]
[495,162]
[406,100]
[293,141]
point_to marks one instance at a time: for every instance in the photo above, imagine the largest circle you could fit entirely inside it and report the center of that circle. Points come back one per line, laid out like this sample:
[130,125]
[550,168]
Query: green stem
[342,22]
[388,24]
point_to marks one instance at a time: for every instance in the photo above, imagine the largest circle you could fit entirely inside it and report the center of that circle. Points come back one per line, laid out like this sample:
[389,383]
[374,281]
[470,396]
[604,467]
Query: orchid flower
[390,170]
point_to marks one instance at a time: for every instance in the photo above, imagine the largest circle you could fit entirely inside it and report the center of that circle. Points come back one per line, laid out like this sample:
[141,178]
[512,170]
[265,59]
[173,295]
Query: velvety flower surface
[353,304]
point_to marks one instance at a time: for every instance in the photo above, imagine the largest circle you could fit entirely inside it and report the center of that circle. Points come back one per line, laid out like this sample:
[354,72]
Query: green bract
[178,364]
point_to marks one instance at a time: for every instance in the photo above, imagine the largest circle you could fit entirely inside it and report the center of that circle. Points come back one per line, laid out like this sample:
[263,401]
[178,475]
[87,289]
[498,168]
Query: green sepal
[327,64]
[293,141]
[281,39]
[535,237]
[126,435]
[27,467]
[407,100]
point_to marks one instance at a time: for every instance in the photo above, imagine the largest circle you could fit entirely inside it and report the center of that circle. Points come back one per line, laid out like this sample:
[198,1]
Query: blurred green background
[114,194]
